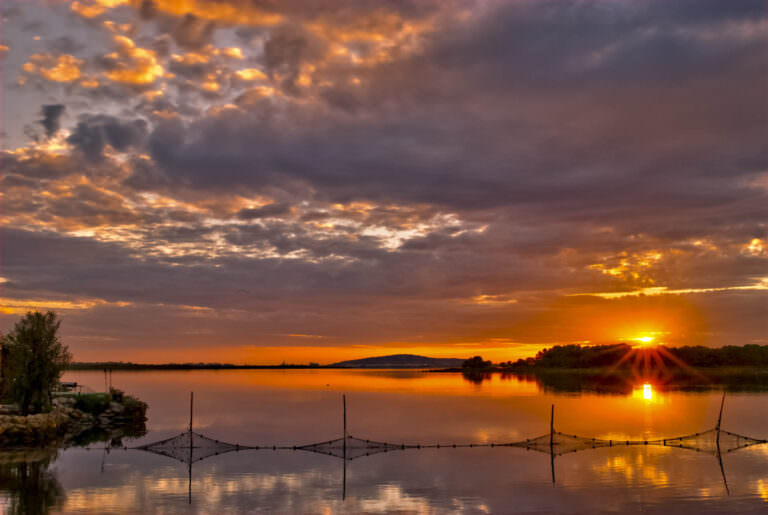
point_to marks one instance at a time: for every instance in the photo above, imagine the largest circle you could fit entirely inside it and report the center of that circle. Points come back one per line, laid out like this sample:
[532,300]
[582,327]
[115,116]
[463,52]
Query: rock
[64,423]
[8,409]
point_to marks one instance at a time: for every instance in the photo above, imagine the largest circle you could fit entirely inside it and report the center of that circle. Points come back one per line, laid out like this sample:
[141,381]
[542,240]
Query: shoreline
[76,419]
[214,366]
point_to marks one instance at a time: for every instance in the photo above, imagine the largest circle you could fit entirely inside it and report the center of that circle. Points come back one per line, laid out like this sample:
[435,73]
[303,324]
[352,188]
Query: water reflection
[283,409]
[30,487]
[575,381]
[647,392]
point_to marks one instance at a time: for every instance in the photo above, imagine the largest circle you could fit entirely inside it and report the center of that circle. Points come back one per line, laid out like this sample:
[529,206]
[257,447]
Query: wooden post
[722,468]
[552,443]
[720,417]
[552,464]
[191,406]
[344,473]
[189,479]
[191,403]
[720,421]
[552,426]
[717,443]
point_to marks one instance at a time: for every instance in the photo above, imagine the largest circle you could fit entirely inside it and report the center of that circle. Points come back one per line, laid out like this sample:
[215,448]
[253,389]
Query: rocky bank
[66,424]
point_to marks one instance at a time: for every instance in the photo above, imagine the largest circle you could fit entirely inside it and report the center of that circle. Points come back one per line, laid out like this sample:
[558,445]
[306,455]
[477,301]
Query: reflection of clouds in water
[100,499]
[282,493]
[635,468]
[391,497]
[446,481]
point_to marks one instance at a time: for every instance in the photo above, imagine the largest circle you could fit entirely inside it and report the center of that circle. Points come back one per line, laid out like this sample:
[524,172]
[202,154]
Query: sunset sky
[254,181]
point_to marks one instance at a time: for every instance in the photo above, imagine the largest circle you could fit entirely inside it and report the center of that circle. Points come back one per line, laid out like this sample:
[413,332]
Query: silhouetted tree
[476,362]
[36,360]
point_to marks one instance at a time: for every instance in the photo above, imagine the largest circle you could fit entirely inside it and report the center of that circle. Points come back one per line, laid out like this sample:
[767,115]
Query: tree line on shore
[622,355]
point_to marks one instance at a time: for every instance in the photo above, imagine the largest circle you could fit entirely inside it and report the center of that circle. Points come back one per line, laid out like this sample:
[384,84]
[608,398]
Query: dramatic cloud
[51,114]
[441,177]
[94,132]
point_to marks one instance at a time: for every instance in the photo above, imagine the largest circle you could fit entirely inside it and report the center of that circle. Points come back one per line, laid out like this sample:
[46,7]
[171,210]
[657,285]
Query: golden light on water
[647,392]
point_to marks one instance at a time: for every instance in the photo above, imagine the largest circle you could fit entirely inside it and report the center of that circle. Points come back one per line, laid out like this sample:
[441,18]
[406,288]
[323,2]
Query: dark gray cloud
[148,9]
[193,32]
[51,115]
[287,48]
[94,132]
[598,110]
[270,210]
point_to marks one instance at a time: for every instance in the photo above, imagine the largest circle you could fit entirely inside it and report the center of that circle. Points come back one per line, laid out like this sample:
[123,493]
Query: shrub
[93,403]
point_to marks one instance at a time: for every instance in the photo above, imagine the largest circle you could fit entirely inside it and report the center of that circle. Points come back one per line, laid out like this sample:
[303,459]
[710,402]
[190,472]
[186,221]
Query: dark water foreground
[268,408]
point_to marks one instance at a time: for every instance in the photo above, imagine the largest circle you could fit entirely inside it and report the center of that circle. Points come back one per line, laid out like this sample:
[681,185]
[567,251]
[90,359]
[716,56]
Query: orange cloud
[629,266]
[191,58]
[64,68]
[87,10]
[229,13]
[140,66]
[233,52]
[492,300]
[21,306]
[89,83]
[756,247]
[249,74]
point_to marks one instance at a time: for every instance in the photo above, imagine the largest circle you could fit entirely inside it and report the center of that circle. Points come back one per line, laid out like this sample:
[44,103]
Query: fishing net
[707,442]
[562,443]
[189,447]
[712,442]
[350,448]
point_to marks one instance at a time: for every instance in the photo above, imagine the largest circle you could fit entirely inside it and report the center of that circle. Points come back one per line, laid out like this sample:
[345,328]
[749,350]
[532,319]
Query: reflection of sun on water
[762,489]
[646,393]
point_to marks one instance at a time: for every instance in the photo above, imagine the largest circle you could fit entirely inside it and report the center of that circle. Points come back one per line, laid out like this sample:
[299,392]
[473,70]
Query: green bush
[117,395]
[93,403]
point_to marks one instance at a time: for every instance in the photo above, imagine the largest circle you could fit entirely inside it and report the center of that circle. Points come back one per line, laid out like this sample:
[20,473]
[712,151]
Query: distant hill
[400,361]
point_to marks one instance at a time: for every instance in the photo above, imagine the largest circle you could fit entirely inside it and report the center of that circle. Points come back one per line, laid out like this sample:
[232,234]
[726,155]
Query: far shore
[225,366]
[513,370]
[721,369]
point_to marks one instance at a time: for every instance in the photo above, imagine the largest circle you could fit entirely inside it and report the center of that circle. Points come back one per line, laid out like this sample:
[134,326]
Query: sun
[645,341]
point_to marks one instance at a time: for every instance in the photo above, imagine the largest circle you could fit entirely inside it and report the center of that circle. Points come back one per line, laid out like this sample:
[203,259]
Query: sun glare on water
[647,392]
[647,395]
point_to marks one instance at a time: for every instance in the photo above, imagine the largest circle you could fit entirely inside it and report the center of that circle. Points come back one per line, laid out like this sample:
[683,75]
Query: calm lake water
[295,407]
